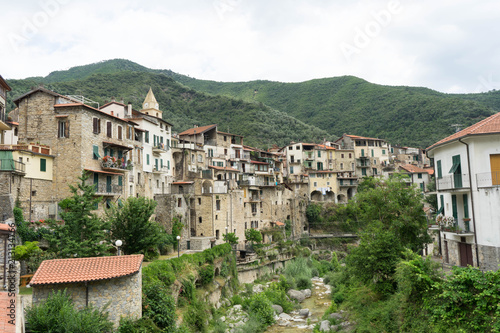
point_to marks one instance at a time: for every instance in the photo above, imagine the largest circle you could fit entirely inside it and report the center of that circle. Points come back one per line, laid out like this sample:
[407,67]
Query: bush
[260,308]
[141,325]
[57,314]
[303,282]
[158,305]
[276,294]
[206,274]
[196,317]
[236,299]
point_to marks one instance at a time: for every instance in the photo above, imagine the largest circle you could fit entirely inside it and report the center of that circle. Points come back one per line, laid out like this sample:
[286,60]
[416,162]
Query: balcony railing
[488,179]
[108,189]
[117,164]
[244,156]
[362,163]
[160,169]
[160,148]
[451,182]
[348,182]
[12,165]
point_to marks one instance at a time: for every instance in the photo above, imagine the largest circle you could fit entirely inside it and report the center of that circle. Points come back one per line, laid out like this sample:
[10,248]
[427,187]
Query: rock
[304,312]
[336,316]
[223,318]
[285,316]
[334,328]
[257,288]
[324,326]
[238,307]
[296,295]
[277,308]
[307,293]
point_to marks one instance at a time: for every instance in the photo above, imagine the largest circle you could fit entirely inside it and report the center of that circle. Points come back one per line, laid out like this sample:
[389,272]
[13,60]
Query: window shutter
[66,129]
[43,164]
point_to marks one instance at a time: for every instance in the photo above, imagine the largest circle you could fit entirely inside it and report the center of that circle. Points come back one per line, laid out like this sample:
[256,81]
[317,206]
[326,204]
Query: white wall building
[467,171]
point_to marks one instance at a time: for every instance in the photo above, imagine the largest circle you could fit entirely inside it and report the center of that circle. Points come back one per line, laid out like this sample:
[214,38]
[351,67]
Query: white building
[467,171]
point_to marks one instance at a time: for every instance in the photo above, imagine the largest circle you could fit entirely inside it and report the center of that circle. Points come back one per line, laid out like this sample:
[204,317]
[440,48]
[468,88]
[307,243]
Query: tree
[393,219]
[313,215]
[253,236]
[132,224]
[231,238]
[83,233]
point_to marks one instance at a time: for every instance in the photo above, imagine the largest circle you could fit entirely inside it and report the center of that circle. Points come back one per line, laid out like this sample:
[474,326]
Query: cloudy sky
[446,45]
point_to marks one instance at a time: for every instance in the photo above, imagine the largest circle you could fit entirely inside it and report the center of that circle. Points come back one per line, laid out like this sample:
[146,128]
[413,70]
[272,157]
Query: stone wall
[489,257]
[124,295]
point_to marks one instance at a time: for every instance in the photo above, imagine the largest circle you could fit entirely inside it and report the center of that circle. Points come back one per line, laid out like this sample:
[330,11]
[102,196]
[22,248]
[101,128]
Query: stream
[317,304]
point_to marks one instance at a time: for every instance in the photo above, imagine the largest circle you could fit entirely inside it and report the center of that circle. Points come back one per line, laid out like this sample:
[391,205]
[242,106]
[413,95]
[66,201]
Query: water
[317,304]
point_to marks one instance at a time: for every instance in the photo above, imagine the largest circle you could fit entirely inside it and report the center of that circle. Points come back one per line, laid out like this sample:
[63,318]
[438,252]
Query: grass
[25,291]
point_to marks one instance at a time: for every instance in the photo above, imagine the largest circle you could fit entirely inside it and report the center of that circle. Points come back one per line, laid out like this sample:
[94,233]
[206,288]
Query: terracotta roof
[198,130]
[91,108]
[182,183]
[359,137]
[489,125]
[413,168]
[230,134]
[430,171]
[326,147]
[105,172]
[223,168]
[86,269]
[278,223]
[4,84]
[258,162]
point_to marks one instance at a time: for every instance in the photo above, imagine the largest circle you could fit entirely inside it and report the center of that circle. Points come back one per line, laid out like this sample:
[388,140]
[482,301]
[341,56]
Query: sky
[448,45]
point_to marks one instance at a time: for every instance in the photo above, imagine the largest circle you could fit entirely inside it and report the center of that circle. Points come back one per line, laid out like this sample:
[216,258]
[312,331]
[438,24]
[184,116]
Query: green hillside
[182,106]
[402,115]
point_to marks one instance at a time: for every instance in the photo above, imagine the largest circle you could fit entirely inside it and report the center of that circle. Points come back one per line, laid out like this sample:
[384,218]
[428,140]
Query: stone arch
[341,198]
[350,193]
[316,196]
[217,271]
[207,186]
[330,196]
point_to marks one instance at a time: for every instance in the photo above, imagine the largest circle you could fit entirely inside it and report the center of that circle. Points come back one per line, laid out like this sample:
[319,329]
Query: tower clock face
[145,105]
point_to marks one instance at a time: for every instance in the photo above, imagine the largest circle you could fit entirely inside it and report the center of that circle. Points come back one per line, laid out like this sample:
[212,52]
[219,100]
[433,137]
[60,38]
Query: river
[317,304]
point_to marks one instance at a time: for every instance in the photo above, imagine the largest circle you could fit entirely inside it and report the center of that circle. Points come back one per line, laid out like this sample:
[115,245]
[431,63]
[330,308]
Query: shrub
[276,294]
[158,305]
[206,274]
[236,299]
[57,314]
[141,325]
[303,282]
[196,317]
[260,307]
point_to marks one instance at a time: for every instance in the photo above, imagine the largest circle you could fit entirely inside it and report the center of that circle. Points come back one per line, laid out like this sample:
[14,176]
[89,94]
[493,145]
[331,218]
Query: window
[341,166]
[315,184]
[96,125]
[373,154]
[200,158]
[179,202]
[95,154]
[200,219]
[147,159]
[383,151]
[374,171]
[419,176]
[120,133]
[362,152]
[109,129]
[319,153]
[199,201]
[63,129]
[43,164]
[120,180]
[225,138]
[291,169]
[363,172]
[216,234]
[290,147]
[439,170]
[341,155]
[129,132]
[297,147]
[146,136]
[466,206]
[217,204]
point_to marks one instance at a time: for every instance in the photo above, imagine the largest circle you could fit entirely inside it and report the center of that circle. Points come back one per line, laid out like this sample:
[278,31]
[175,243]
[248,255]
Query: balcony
[363,162]
[160,148]
[162,169]
[12,166]
[244,156]
[108,189]
[109,163]
[453,182]
[488,179]
[348,182]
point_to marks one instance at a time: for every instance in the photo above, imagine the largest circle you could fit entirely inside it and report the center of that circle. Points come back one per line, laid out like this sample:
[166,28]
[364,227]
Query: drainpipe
[86,294]
[471,200]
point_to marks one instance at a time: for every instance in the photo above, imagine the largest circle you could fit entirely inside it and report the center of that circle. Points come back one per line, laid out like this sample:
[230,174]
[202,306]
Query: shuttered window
[109,129]
[43,164]
[96,125]
[63,129]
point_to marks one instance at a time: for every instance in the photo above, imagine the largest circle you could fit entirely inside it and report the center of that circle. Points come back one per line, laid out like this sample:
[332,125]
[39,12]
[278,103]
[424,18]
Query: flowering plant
[445,221]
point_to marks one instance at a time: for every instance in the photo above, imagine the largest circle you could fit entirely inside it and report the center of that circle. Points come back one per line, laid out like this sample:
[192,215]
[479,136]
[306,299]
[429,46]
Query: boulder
[307,293]
[336,316]
[324,326]
[296,295]
[304,312]
[285,316]
[257,288]
[277,308]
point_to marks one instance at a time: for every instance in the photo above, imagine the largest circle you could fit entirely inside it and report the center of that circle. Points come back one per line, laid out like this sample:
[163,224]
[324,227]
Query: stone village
[216,184]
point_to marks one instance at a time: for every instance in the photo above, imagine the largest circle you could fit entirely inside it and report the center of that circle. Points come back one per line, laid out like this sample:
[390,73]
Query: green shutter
[120,180]
[441,210]
[147,159]
[383,151]
[439,171]
[372,153]
[454,206]
[43,164]
[168,164]
[96,152]
[362,152]
[466,206]
[363,172]
[455,168]
[120,154]
[96,181]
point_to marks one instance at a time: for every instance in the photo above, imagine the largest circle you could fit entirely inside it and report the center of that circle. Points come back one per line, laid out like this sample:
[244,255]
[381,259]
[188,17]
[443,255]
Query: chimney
[121,100]
[195,126]
[113,99]
[129,109]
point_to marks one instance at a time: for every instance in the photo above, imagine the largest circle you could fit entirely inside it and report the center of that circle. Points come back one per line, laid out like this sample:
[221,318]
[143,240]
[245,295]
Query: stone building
[115,282]
[4,125]
[82,138]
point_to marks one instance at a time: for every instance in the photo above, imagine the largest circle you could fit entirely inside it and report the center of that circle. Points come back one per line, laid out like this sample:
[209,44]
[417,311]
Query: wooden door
[495,169]
[465,254]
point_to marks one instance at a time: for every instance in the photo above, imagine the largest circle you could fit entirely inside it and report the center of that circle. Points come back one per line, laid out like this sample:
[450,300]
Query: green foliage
[206,274]
[253,236]
[230,238]
[313,215]
[188,290]
[141,325]
[299,270]
[23,228]
[260,307]
[196,317]
[159,306]
[57,314]
[24,252]
[276,294]
[132,224]
[177,227]
[83,233]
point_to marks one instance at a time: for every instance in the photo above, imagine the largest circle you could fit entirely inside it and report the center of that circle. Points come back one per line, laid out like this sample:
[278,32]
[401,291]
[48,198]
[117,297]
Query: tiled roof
[198,130]
[182,183]
[326,147]
[86,269]
[489,125]
[413,168]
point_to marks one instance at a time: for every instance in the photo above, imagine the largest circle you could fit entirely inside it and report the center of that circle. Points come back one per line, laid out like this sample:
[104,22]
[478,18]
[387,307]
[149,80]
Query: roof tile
[86,269]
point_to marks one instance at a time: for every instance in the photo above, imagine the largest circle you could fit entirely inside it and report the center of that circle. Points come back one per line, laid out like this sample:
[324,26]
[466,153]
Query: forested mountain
[269,112]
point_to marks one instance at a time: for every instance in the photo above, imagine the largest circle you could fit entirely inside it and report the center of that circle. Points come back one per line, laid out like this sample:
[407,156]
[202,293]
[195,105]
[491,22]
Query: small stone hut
[94,281]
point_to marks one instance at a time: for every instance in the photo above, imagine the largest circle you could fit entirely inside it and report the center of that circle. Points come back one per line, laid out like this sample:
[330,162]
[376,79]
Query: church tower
[150,105]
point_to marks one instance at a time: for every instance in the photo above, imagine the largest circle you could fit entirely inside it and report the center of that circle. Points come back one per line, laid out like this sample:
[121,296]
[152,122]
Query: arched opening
[217,271]
[330,196]
[207,186]
[341,198]
[350,193]
[316,196]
